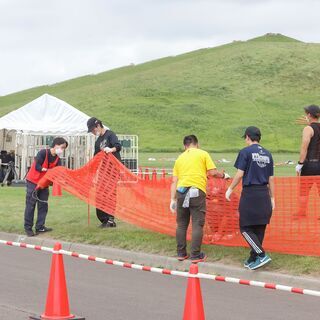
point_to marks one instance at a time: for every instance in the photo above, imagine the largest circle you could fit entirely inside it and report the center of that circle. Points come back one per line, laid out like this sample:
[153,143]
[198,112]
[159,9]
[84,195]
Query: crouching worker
[255,169]
[188,196]
[46,159]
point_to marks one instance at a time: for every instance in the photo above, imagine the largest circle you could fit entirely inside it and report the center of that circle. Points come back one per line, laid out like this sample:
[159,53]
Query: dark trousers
[197,211]
[305,185]
[42,194]
[104,216]
[254,235]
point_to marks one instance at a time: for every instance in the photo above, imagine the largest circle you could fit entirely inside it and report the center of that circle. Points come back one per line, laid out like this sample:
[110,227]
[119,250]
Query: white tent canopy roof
[46,115]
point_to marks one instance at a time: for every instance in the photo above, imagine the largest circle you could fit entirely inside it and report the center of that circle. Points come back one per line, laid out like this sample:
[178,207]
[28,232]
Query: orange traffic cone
[146,174]
[56,190]
[57,305]
[193,308]
[154,175]
[163,173]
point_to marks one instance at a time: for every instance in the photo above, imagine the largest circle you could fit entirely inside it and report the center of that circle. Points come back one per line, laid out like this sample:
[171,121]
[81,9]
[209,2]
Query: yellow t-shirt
[191,168]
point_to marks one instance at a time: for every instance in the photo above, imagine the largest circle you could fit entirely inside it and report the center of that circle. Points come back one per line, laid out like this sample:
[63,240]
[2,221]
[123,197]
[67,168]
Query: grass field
[68,216]
[166,160]
[214,93]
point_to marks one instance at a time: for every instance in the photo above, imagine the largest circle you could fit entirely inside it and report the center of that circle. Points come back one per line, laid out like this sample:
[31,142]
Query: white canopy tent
[46,115]
[33,126]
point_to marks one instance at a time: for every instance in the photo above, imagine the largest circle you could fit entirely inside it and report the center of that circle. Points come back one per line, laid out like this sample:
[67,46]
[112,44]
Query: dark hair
[253,133]
[192,139]
[254,137]
[58,141]
[99,122]
[313,110]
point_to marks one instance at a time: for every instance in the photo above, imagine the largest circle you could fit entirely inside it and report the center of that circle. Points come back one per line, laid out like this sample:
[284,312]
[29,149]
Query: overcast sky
[47,41]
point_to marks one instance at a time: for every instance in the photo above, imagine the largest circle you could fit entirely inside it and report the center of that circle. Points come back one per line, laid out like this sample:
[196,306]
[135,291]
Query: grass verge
[68,216]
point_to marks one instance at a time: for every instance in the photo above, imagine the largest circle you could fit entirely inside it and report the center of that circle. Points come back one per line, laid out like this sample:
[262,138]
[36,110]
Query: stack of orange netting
[143,200]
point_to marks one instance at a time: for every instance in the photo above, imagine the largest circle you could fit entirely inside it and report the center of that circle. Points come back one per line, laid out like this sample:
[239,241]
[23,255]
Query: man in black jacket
[109,143]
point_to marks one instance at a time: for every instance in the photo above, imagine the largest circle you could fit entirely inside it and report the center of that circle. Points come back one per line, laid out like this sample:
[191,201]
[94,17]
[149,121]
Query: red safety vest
[34,175]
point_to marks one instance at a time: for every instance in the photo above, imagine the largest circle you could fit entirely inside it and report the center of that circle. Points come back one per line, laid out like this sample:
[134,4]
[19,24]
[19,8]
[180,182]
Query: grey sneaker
[248,261]
[259,262]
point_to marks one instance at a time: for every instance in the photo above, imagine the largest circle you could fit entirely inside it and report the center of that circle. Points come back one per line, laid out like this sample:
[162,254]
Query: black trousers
[254,235]
[104,216]
[42,194]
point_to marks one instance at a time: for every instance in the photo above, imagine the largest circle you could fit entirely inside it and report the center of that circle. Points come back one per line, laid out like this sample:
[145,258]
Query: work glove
[228,193]
[273,203]
[173,206]
[107,150]
[299,168]
[226,176]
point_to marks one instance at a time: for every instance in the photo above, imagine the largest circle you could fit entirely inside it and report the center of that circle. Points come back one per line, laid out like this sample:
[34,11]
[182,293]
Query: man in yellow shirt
[188,196]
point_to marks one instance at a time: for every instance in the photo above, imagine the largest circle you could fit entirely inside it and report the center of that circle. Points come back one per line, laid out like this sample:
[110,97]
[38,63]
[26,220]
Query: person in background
[309,160]
[109,143]
[45,160]
[254,166]
[12,156]
[188,196]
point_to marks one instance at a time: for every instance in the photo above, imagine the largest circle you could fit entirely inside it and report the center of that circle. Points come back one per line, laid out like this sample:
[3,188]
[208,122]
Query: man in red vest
[45,160]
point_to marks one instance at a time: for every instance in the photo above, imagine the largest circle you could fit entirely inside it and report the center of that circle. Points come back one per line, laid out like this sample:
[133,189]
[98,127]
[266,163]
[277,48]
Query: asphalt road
[99,291]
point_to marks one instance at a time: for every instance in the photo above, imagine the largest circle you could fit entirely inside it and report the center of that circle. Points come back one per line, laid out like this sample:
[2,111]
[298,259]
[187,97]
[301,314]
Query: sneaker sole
[261,264]
[183,258]
[199,260]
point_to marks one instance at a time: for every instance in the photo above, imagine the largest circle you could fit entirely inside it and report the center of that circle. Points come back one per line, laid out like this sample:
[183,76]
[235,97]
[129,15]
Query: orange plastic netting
[144,201]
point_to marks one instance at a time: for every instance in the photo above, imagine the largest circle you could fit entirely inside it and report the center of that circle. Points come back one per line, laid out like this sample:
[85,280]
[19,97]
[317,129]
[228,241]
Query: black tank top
[313,152]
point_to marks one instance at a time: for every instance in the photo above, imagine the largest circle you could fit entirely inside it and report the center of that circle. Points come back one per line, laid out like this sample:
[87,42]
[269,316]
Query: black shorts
[311,169]
[255,206]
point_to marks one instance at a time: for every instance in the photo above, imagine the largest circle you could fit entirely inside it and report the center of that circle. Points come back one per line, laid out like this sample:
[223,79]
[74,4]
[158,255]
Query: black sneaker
[200,258]
[43,229]
[29,233]
[108,224]
[111,224]
[182,257]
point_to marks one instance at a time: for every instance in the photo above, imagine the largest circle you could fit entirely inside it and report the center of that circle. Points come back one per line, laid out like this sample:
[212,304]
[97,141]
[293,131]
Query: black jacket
[109,139]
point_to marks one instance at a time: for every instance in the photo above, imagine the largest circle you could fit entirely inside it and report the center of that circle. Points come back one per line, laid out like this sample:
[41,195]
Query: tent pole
[4,135]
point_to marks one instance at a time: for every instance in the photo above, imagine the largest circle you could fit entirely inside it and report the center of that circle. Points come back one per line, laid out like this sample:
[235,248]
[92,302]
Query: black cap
[252,132]
[313,110]
[92,123]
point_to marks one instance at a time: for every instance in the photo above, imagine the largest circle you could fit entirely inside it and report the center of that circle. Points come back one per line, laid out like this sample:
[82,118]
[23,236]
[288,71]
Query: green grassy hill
[213,93]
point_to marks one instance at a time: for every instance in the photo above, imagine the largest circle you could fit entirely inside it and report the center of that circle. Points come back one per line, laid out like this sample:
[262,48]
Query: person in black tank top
[309,160]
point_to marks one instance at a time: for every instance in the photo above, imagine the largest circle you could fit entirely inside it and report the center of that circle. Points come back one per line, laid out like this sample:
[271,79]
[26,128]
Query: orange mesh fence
[143,200]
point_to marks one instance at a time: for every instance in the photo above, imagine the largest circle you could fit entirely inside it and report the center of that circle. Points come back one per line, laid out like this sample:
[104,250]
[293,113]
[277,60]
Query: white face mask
[59,151]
